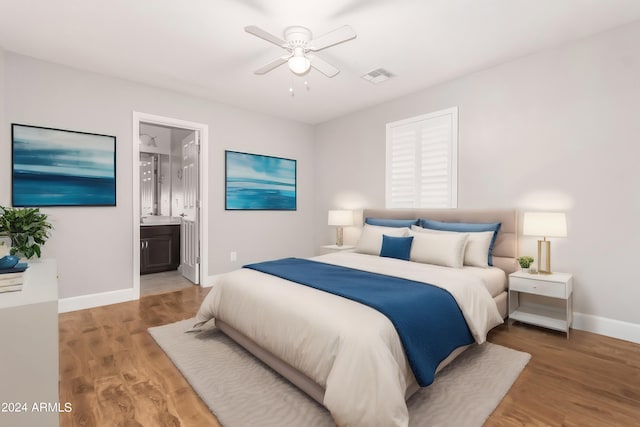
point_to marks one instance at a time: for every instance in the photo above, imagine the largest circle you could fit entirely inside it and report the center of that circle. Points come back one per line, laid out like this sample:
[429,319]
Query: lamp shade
[546,224]
[340,217]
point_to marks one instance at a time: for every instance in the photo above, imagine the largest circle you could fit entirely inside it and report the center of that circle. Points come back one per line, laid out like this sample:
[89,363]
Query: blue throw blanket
[426,317]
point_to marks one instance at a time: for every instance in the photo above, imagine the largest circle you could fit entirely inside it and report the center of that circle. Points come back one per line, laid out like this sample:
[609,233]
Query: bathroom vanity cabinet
[159,248]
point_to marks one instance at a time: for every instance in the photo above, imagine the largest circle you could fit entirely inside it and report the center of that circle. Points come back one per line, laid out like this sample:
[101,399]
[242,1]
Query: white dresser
[29,349]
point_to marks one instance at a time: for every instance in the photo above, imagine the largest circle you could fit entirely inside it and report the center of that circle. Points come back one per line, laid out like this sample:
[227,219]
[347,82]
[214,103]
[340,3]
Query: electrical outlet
[233,256]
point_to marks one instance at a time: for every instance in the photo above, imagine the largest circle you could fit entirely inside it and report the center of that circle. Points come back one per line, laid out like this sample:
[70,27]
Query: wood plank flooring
[114,374]
[588,380]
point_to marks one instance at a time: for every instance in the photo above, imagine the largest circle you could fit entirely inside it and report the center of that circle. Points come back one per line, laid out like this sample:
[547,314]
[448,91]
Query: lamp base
[547,249]
[339,236]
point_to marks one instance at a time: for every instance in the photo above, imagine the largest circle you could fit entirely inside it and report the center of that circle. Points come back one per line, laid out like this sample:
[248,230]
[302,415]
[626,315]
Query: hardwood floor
[114,374]
[588,380]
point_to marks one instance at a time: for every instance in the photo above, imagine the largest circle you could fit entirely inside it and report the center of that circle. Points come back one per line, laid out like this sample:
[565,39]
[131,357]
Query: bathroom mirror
[155,187]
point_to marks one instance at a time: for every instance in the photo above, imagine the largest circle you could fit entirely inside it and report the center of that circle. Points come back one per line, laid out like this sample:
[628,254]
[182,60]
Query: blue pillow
[463,227]
[396,247]
[397,223]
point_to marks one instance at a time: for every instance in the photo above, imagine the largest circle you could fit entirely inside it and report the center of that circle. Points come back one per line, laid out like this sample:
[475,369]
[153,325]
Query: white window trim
[453,112]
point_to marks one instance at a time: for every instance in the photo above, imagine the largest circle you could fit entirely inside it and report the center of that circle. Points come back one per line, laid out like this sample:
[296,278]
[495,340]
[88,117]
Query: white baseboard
[112,297]
[605,326]
[96,300]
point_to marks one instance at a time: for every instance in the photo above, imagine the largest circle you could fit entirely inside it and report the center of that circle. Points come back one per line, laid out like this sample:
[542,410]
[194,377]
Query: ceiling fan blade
[332,38]
[259,32]
[271,65]
[323,66]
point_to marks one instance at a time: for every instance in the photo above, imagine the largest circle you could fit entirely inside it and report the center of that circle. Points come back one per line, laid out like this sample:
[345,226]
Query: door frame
[203,177]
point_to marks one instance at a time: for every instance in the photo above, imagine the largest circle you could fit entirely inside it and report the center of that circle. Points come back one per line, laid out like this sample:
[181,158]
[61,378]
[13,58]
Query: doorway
[169,191]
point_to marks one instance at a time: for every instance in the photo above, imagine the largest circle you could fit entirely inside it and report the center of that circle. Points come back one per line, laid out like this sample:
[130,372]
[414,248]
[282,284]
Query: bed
[348,356]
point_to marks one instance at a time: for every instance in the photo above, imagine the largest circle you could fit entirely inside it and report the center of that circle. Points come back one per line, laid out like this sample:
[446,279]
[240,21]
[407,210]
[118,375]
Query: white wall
[93,244]
[557,130]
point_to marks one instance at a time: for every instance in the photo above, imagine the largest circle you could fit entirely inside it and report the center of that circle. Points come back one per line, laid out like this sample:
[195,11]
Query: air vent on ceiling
[377,76]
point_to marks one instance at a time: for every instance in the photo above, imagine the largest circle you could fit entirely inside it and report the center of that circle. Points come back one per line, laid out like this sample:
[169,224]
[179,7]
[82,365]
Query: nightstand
[553,306]
[328,249]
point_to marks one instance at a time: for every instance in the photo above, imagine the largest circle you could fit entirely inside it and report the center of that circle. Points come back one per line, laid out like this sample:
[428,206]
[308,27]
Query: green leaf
[28,228]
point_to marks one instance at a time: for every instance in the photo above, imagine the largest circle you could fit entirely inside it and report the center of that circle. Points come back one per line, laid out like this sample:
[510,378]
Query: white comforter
[351,350]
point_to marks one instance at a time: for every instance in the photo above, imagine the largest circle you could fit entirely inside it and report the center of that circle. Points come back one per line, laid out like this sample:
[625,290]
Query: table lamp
[545,224]
[340,218]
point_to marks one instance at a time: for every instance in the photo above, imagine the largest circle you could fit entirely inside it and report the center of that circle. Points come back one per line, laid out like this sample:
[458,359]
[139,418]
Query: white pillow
[370,241]
[476,252]
[446,249]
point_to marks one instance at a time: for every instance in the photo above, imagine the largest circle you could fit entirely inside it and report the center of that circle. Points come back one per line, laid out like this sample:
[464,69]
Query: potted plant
[27,228]
[525,262]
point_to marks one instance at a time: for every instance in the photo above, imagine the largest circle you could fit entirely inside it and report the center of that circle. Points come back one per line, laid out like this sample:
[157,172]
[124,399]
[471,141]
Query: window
[422,161]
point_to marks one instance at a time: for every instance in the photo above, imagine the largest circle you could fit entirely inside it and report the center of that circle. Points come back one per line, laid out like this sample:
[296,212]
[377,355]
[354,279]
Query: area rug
[242,391]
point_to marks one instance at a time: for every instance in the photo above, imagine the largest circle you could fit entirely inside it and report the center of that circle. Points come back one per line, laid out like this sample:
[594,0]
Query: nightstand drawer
[538,287]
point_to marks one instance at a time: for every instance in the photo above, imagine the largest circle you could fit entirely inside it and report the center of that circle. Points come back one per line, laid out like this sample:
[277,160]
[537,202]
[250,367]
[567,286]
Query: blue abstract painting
[54,167]
[257,182]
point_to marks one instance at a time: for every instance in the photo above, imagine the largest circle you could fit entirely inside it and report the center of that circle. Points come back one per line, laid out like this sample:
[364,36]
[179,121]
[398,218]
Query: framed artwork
[55,167]
[257,182]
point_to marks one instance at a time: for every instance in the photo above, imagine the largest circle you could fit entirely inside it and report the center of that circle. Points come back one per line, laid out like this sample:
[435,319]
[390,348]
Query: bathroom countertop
[160,220]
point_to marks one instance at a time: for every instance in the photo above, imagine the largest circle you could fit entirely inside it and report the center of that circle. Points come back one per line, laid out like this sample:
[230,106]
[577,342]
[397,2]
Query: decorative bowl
[8,261]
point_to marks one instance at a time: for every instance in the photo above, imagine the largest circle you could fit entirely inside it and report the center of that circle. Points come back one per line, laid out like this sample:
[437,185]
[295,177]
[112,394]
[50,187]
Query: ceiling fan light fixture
[298,42]
[299,63]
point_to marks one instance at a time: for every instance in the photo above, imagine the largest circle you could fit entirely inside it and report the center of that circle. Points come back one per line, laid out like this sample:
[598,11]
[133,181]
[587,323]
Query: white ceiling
[200,46]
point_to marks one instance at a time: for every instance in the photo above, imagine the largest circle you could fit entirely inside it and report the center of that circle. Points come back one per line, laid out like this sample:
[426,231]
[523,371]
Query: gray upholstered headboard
[505,249]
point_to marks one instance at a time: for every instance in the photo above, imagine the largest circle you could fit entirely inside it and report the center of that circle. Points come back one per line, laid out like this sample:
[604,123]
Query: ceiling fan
[298,43]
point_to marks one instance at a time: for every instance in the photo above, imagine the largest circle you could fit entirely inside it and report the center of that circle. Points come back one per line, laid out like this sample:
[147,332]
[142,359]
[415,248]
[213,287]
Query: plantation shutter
[422,159]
